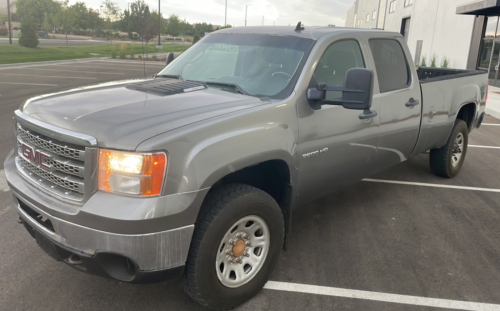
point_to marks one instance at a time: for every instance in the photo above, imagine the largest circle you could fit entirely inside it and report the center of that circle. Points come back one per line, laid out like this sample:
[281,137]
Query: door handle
[412,103]
[367,114]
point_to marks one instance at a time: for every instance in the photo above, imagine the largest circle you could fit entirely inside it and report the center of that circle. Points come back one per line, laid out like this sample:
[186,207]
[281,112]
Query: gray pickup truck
[196,172]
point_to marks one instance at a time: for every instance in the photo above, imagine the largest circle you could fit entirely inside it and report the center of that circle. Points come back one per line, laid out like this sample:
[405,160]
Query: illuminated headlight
[131,173]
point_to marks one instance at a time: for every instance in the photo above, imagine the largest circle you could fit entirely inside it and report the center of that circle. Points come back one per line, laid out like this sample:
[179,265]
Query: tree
[174,25]
[93,19]
[112,13]
[46,25]
[81,15]
[66,18]
[36,9]
[28,37]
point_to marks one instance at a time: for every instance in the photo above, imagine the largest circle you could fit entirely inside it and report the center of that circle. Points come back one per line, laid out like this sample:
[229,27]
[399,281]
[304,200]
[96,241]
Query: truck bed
[426,74]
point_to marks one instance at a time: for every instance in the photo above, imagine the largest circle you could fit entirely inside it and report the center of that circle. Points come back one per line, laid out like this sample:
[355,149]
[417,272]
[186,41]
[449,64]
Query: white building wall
[444,33]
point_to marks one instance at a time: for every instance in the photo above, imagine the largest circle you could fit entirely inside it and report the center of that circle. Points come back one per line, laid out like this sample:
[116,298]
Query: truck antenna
[299,27]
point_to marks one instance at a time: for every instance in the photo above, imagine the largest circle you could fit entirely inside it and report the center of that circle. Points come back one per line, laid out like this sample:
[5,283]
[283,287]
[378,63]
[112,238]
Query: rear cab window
[393,71]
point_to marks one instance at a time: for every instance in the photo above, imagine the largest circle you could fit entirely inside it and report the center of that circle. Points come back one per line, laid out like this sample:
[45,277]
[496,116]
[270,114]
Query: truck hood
[122,118]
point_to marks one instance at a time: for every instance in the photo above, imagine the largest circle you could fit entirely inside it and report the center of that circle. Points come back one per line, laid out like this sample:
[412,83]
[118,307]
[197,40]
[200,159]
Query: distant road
[61,42]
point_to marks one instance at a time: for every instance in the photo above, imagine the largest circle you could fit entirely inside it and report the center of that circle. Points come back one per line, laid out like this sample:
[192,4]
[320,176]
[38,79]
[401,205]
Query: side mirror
[357,92]
[170,58]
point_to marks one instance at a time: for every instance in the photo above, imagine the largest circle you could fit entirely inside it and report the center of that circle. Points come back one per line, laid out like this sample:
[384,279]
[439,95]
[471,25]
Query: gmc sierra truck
[195,172]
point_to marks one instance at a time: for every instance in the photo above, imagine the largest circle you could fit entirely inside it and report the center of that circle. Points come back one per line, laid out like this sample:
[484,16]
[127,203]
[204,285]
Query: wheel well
[467,113]
[272,177]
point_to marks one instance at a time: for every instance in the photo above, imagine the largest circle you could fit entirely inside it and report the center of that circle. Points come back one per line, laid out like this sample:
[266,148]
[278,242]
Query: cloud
[280,12]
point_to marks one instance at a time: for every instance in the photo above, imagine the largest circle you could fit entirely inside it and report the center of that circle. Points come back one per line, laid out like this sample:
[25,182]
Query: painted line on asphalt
[3,181]
[73,71]
[28,83]
[490,124]
[18,74]
[134,63]
[5,210]
[383,297]
[487,147]
[429,185]
[101,67]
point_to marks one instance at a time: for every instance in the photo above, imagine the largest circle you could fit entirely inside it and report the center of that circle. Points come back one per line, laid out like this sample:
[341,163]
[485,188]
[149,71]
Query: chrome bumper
[153,251]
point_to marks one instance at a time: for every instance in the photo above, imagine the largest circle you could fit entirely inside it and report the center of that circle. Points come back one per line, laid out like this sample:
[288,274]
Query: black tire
[441,159]
[221,209]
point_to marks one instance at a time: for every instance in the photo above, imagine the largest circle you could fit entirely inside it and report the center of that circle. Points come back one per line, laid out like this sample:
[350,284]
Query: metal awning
[482,7]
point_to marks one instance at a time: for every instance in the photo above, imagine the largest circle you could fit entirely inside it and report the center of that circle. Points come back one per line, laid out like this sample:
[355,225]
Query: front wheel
[447,160]
[236,244]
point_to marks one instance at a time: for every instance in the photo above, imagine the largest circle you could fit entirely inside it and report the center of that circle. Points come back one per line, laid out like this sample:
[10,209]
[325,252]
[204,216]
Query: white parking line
[487,147]
[3,181]
[28,83]
[18,74]
[101,67]
[73,71]
[429,185]
[490,124]
[384,297]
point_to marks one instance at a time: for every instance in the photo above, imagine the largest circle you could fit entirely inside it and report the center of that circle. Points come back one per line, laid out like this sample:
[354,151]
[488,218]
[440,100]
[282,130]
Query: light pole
[246,11]
[10,26]
[159,27]
[225,18]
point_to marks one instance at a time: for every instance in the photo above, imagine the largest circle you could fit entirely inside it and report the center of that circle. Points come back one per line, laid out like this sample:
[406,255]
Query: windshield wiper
[233,85]
[178,77]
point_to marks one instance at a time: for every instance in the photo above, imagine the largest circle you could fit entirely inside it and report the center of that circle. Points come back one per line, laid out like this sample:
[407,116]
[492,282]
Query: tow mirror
[357,92]
[170,58]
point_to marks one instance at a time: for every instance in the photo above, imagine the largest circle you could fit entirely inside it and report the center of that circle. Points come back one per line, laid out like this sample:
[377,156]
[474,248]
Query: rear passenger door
[399,101]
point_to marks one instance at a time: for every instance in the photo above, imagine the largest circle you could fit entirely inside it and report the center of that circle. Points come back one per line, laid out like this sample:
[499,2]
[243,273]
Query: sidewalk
[493,103]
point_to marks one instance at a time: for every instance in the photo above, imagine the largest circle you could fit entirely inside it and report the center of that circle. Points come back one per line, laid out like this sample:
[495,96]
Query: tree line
[138,21]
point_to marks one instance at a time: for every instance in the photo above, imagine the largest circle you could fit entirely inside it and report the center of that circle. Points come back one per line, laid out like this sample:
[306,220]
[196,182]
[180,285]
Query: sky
[280,12]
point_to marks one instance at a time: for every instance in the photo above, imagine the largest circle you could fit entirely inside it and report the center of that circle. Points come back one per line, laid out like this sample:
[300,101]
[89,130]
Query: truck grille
[53,165]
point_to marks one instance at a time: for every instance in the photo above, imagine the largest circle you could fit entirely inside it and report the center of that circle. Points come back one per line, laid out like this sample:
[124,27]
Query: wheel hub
[242,251]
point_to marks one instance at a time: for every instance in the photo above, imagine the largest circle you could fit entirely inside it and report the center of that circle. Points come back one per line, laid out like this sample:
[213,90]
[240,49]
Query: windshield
[257,65]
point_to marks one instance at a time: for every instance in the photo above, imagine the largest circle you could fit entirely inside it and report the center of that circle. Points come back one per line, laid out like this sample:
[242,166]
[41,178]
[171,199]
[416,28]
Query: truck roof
[309,32]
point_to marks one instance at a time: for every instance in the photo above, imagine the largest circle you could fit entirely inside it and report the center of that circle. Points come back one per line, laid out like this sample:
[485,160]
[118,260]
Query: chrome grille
[48,144]
[54,178]
[54,165]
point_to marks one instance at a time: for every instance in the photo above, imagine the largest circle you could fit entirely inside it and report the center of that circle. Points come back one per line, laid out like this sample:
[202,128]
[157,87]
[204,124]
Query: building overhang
[482,7]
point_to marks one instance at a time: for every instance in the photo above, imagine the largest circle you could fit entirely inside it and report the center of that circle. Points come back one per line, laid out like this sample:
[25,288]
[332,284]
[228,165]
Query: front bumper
[126,258]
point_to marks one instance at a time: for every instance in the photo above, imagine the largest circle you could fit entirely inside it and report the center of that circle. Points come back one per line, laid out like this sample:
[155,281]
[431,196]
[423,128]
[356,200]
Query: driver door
[336,146]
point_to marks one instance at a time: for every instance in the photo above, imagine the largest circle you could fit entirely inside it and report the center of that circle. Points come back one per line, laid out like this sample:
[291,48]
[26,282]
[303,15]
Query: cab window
[335,62]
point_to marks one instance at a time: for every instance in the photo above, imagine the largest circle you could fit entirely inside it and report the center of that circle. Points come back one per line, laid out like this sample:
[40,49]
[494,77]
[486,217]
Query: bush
[140,56]
[3,31]
[154,57]
[113,54]
[132,56]
[445,63]
[15,28]
[28,33]
[424,61]
[433,61]
[196,38]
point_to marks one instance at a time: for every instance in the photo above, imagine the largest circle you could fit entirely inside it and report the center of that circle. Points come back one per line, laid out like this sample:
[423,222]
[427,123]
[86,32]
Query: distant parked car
[43,34]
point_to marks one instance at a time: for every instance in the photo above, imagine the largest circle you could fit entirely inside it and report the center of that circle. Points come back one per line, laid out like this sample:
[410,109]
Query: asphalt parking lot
[404,239]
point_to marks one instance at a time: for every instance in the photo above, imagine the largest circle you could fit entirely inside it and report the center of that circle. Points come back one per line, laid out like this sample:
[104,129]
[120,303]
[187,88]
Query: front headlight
[131,173]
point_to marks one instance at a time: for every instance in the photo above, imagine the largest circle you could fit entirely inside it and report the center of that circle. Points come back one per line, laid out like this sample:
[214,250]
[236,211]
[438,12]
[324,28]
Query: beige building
[3,7]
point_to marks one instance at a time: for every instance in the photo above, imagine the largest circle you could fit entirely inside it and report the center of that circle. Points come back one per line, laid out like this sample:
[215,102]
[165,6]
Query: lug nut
[239,261]
[246,254]
[245,236]
[248,243]
[230,260]
[238,235]
[228,252]
[232,242]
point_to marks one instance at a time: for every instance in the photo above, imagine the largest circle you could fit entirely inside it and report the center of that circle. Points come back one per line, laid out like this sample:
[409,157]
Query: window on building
[335,62]
[391,64]
[491,27]
[408,2]
[486,50]
[367,18]
[392,6]
[374,15]
[381,14]
[405,27]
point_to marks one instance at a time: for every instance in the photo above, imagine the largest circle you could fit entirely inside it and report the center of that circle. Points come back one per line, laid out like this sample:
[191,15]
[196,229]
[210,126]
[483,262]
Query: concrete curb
[492,112]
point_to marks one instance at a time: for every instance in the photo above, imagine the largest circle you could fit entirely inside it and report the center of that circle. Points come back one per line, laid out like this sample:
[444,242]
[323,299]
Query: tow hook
[74,260]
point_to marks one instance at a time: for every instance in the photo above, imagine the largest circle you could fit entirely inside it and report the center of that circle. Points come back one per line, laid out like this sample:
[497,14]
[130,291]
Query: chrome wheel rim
[242,251]
[458,148]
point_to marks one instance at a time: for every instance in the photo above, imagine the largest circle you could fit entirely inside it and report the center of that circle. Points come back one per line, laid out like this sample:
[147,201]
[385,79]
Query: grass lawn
[17,54]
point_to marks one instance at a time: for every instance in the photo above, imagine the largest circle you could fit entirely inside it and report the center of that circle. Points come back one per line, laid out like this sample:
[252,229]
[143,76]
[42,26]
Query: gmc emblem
[35,156]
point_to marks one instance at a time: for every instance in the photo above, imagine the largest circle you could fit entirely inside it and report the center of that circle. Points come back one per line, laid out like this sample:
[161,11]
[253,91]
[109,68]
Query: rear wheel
[447,160]
[236,244]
